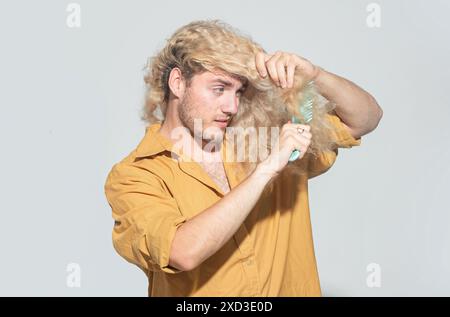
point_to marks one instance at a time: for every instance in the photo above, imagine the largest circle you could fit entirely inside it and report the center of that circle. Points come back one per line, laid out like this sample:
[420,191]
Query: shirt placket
[247,252]
[242,237]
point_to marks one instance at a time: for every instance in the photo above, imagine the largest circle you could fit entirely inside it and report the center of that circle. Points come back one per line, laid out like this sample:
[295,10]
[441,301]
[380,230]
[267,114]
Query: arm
[358,110]
[201,236]
[151,232]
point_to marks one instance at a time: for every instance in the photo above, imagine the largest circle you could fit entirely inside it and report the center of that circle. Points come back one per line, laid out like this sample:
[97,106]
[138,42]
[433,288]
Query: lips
[222,120]
[222,123]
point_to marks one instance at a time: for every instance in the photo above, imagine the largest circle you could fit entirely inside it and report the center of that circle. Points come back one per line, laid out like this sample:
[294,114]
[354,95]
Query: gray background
[70,100]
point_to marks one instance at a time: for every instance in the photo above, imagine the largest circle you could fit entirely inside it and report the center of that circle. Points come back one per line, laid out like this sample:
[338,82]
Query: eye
[219,90]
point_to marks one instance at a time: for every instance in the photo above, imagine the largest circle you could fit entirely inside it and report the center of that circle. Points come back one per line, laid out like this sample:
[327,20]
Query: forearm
[201,236]
[355,107]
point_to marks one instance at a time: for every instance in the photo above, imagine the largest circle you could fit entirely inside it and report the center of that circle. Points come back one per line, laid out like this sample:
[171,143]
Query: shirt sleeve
[341,138]
[146,217]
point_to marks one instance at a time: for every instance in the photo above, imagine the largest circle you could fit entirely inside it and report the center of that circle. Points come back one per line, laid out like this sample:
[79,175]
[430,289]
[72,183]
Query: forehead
[218,76]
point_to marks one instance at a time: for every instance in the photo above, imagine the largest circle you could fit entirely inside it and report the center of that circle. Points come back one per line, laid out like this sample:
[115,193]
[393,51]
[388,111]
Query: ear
[176,82]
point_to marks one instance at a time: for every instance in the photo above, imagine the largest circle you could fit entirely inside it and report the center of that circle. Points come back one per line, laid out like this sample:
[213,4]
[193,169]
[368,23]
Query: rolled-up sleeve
[341,138]
[146,217]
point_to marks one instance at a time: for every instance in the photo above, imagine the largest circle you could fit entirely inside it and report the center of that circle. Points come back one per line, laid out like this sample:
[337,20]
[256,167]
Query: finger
[307,135]
[298,125]
[267,57]
[304,136]
[304,133]
[261,64]
[272,69]
[281,71]
[290,74]
[303,126]
[297,142]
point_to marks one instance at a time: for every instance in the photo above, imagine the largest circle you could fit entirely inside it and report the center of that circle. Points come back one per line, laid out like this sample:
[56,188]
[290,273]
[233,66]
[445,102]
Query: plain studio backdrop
[71,99]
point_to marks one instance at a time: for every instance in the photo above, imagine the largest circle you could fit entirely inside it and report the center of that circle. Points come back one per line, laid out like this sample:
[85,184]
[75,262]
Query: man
[201,227]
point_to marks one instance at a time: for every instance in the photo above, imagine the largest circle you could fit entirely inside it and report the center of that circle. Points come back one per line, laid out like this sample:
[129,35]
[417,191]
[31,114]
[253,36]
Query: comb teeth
[306,105]
[306,110]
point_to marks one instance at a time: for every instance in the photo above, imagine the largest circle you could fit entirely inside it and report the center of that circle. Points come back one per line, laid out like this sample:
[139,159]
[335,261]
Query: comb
[306,111]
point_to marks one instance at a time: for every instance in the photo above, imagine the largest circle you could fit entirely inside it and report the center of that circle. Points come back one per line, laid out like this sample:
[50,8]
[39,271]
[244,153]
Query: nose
[230,105]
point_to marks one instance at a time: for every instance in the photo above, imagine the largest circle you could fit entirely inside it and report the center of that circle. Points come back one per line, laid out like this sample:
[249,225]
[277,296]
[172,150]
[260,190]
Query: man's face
[212,99]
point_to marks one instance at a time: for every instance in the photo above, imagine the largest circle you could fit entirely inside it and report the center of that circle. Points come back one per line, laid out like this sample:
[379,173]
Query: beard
[185,111]
[194,123]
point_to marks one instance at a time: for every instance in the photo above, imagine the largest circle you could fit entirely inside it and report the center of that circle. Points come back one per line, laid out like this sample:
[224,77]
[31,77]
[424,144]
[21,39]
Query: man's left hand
[281,67]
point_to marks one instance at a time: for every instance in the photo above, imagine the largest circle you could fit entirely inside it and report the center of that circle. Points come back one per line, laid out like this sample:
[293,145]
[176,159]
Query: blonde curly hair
[213,45]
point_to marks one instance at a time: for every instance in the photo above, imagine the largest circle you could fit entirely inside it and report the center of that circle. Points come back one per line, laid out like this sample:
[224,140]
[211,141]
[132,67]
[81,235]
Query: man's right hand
[290,139]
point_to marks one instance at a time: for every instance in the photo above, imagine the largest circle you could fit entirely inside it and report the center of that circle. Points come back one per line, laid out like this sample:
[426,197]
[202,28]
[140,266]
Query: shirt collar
[153,142]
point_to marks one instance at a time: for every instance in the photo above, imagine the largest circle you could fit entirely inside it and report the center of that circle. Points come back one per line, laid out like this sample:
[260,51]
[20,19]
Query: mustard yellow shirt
[272,254]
